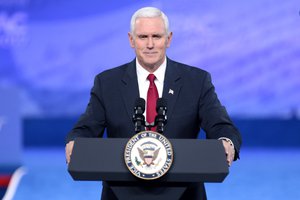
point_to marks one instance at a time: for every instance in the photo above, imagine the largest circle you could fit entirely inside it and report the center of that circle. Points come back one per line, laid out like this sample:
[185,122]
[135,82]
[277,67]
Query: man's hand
[229,150]
[69,149]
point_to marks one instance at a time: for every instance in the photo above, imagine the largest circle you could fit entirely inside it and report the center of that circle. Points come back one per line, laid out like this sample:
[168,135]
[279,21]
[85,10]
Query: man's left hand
[230,152]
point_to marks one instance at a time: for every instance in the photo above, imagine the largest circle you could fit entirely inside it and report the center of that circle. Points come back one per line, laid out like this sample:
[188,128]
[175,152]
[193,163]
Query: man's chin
[151,63]
[154,61]
[150,67]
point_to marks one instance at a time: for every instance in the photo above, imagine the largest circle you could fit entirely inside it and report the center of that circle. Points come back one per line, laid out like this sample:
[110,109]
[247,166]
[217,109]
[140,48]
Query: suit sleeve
[92,123]
[214,118]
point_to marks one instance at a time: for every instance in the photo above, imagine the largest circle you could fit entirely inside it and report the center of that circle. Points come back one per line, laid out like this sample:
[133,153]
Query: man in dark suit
[192,101]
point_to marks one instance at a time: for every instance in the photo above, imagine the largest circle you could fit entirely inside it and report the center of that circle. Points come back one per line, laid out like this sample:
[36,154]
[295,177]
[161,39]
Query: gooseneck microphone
[161,117]
[138,117]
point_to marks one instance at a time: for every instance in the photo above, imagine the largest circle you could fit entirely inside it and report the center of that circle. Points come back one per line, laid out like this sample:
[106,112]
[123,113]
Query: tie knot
[151,78]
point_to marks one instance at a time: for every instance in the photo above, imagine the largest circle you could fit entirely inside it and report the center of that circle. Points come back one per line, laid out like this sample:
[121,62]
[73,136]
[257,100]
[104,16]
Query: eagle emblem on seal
[148,153]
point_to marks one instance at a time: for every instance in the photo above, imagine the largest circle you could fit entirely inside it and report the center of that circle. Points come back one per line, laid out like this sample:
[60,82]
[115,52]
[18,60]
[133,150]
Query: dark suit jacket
[192,105]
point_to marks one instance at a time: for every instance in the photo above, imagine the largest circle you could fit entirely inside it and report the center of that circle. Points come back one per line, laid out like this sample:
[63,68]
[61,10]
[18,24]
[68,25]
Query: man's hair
[149,12]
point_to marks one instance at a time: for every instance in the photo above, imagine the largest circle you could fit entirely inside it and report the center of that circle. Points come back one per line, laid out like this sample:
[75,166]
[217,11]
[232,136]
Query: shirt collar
[159,73]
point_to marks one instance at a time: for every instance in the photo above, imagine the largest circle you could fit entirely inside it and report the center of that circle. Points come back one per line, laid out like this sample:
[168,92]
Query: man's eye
[157,36]
[142,36]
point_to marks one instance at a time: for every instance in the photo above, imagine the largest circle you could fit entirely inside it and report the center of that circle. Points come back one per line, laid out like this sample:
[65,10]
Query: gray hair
[149,12]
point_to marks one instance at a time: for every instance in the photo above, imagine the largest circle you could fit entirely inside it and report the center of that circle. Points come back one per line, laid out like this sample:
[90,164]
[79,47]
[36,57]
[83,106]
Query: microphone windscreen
[161,102]
[140,102]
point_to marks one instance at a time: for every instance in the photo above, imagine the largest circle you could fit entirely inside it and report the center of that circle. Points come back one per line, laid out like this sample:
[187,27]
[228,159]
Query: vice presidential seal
[148,155]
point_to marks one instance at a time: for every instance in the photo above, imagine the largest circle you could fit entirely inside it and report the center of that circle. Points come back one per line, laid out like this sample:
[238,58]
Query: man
[192,101]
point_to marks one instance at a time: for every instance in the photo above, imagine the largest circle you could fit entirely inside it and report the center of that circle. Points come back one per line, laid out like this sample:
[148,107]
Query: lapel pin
[171,91]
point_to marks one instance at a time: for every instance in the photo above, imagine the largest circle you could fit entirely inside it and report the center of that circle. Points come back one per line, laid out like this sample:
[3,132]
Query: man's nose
[150,43]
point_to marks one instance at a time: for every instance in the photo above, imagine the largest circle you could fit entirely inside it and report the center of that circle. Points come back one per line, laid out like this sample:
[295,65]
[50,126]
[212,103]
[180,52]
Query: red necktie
[152,97]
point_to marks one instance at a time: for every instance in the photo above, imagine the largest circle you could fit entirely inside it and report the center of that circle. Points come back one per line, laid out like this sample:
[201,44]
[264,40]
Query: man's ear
[169,39]
[131,40]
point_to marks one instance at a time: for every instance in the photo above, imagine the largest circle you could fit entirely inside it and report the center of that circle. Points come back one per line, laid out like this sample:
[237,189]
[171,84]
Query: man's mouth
[150,53]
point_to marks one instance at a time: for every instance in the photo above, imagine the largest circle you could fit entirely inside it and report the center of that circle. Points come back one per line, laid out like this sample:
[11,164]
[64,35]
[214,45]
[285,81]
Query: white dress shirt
[144,83]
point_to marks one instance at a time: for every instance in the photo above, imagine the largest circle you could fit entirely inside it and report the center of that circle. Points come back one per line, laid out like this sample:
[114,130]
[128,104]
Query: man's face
[150,42]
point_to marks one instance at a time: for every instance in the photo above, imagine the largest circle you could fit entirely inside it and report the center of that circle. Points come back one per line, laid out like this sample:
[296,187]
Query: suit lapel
[172,86]
[130,90]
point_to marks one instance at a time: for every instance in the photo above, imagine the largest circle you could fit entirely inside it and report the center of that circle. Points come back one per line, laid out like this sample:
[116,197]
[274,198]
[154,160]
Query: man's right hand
[69,149]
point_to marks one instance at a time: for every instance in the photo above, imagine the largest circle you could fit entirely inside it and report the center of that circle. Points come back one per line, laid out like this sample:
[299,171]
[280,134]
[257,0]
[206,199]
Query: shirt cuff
[227,140]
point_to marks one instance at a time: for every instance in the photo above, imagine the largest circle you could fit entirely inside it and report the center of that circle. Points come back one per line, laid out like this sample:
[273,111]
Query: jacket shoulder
[188,69]
[116,72]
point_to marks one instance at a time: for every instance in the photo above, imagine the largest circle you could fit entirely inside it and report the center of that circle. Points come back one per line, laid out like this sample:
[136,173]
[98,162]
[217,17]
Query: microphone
[161,117]
[138,117]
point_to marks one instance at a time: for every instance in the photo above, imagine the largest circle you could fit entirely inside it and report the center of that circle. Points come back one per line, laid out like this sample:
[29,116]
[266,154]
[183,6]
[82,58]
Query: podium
[102,159]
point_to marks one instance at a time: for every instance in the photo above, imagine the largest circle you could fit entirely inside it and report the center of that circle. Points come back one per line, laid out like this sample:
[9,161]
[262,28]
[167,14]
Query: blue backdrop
[52,49]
